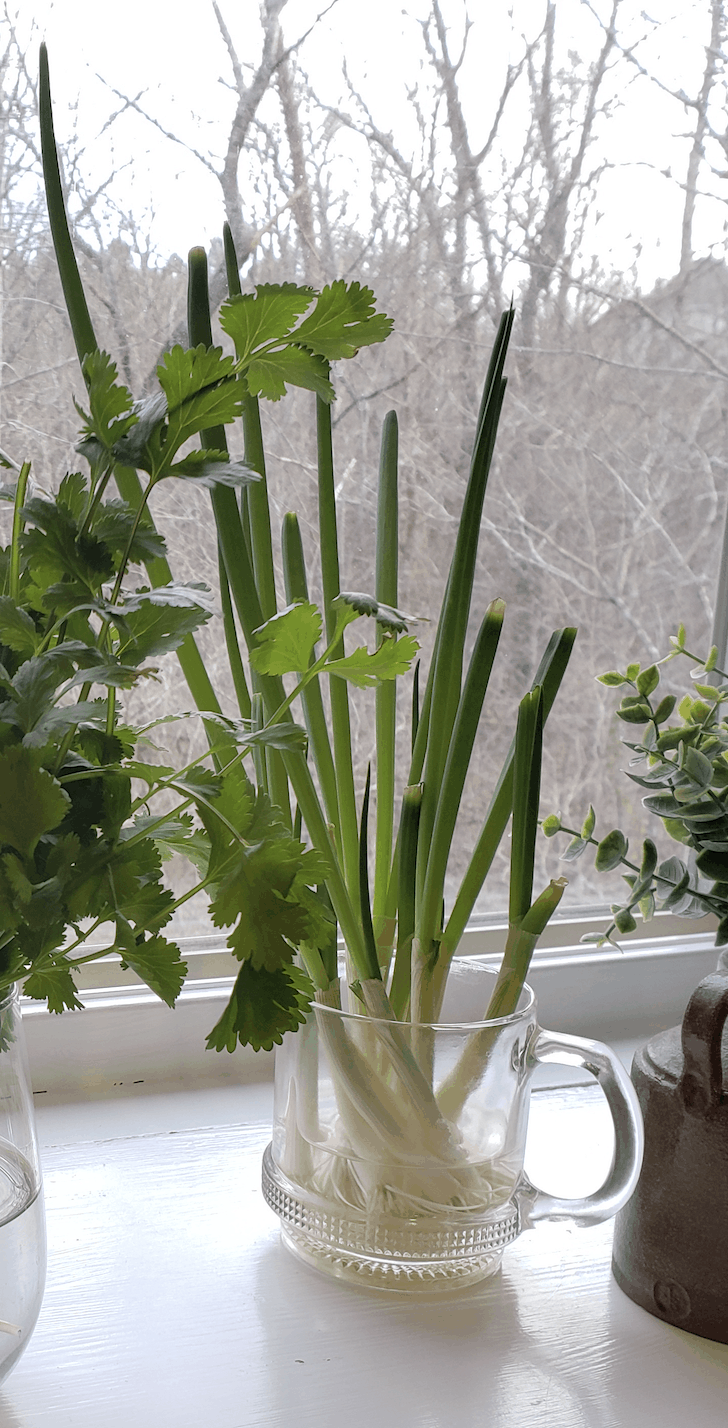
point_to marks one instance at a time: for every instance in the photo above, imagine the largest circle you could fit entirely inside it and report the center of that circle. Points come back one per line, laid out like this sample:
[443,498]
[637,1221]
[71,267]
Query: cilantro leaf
[255,891]
[149,773]
[194,845]
[269,924]
[321,923]
[56,985]
[266,316]
[286,641]
[183,373]
[156,962]
[199,782]
[343,320]
[214,468]
[45,909]
[110,403]
[155,628]
[11,898]
[235,807]
[216,406]
[72,493]
[269,372]
[263,1006]
[54,548]
[32,802]
[134,449]
[116,801]
[86,800]
[264,891]
[62,856]
[17,629]
[162,826]
[201,390]
[278,736]
[284,736]
[193,592]
[113,524]
[349,604]
[61,717]
[392,658]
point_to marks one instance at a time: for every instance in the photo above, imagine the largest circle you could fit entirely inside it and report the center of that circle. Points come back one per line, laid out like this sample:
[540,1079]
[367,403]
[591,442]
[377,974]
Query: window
[606,502]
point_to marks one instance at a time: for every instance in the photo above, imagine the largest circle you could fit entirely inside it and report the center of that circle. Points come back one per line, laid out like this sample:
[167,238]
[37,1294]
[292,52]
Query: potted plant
[671,1240]
[398,1145]
[683,770]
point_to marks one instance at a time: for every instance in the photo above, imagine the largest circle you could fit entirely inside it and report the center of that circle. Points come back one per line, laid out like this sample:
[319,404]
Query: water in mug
[22,1254]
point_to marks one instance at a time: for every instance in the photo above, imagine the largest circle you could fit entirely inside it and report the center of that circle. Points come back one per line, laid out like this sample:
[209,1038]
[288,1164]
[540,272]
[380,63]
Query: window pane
[447,195]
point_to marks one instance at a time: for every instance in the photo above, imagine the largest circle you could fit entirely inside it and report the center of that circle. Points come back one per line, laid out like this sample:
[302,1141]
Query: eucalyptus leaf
[648,679]
[649,859]
[664,709]
[574,849]
[611,851]
[637,713]
[624,920]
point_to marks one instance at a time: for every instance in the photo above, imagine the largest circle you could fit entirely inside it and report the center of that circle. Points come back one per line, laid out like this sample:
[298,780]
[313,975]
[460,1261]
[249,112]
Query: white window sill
[170,1300]
[126,1040]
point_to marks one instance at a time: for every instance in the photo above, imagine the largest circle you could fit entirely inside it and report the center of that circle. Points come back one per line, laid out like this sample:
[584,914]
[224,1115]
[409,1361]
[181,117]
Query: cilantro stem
[84,936]
[130,542]
[95,497]
[69,735]
[296,587]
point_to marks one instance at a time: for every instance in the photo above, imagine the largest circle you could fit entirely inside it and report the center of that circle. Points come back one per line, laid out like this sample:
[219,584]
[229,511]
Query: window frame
[126,1037]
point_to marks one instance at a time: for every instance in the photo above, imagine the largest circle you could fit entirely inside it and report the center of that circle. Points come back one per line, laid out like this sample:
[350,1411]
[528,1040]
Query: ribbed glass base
[429,1254]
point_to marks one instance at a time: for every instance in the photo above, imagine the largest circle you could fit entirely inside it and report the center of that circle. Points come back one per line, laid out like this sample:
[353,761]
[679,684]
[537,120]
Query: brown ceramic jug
[671,1239]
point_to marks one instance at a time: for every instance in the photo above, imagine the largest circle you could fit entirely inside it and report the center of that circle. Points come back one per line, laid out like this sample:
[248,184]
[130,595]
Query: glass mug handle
[535,1204]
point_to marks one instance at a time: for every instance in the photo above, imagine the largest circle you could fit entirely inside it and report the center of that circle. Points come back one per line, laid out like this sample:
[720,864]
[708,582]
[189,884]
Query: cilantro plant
[80,848]
[288,861]
[683,767]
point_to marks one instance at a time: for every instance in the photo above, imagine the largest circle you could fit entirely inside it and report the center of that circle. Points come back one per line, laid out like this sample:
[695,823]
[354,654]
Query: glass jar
[397,1152]
[22,1215]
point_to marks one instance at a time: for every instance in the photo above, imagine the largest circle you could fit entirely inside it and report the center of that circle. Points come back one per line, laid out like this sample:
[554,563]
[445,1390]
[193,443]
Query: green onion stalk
[291,661]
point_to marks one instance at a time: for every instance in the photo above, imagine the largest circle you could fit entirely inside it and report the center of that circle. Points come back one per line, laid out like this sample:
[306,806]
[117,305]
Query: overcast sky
[171,50]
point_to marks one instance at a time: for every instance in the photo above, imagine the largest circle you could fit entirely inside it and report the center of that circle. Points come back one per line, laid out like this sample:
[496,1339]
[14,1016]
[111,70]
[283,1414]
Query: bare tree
[607,497]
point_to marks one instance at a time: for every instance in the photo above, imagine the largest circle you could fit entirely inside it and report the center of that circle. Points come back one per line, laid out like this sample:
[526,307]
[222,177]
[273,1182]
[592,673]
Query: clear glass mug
[397,1152]
[22,1215]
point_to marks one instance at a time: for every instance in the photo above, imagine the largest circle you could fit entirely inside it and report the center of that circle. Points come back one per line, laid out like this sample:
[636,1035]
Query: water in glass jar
[22,1254]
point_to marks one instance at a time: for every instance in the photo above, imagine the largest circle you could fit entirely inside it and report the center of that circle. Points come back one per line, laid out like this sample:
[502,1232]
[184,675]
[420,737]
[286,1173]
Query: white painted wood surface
[172,1304]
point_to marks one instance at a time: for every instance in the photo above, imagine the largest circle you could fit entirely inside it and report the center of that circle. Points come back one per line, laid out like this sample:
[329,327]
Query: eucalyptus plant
[683,768]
